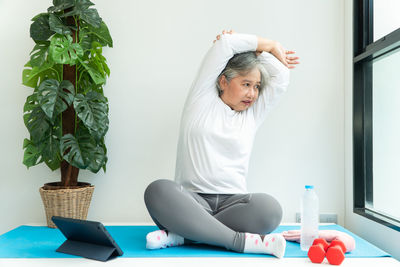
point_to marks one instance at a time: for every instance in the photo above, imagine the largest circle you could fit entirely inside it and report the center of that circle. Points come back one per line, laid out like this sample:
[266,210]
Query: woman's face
[242,91]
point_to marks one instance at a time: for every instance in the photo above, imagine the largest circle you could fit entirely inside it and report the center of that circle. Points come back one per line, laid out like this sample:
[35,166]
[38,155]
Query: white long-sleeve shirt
[215,142]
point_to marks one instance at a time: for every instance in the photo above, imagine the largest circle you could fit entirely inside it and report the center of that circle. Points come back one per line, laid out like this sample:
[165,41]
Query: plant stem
[58,76]
[76,70]
[69,173]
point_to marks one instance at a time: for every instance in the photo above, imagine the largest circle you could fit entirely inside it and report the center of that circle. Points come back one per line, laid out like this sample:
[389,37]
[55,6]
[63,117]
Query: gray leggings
[213,219]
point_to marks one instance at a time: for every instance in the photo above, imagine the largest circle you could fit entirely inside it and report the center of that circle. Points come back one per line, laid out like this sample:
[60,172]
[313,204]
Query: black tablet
[88,239]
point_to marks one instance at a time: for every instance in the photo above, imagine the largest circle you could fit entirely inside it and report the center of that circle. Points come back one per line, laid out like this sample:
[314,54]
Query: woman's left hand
[283,55]
[291,60]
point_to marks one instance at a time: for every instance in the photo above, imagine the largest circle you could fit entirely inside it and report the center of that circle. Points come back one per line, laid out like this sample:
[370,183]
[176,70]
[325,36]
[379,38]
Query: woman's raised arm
[273,47]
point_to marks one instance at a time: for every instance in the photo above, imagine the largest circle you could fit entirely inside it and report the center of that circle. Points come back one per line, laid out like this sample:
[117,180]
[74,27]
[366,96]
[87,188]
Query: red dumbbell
[316,253]
[335,252]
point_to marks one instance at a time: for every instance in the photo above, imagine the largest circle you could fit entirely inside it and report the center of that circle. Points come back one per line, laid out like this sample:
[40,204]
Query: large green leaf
[57,25]
[40,28]
[92,109]
[97,159]
[32,155]
[96,56]
[81,5]
[39,53]
[37,123]
[55,97]
[86,84]
[63,50]
[33,76]
[81,150]
[103,145]
[35,119]
[94,73]
[44,143]
[51,149]
[82,10]
[73,149]
[95,64]
[29,106]
[30,103]
[89,34]
[60,5]
[48,152]
[38,16]
[92,17]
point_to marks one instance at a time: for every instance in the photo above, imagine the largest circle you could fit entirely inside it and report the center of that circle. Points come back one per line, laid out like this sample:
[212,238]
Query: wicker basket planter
[66,202]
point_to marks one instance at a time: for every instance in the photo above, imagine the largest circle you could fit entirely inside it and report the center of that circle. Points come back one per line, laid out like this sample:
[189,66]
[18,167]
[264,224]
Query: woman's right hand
[223,32]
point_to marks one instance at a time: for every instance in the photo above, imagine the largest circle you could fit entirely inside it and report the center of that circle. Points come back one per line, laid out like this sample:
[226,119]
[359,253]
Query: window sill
[378,217]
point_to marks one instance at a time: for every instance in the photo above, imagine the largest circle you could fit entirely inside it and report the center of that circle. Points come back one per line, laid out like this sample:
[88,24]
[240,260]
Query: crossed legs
[188,215]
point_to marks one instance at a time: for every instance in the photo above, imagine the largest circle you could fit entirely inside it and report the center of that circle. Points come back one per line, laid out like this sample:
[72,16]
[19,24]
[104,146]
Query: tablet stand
[88,250]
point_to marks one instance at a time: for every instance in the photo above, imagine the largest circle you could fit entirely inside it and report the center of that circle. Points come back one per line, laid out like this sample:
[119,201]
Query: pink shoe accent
[256,241]
[266,244]
[273,239]
[158,237]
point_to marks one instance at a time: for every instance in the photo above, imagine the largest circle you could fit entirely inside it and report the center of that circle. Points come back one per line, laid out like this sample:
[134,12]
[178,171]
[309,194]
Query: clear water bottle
[309,217]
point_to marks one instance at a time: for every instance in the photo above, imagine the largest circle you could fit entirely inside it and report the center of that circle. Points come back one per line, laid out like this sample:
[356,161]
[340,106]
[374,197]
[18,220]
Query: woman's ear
[223,82]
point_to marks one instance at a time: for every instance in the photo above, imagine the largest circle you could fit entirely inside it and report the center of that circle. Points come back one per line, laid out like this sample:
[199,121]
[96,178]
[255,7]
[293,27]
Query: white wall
[380,235]
[158,46]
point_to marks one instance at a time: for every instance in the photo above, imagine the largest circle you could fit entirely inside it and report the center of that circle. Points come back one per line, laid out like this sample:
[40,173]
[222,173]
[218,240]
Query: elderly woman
[241,78]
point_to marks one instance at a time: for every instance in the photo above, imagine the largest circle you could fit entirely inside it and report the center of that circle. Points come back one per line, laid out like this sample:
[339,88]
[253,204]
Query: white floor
[195,262]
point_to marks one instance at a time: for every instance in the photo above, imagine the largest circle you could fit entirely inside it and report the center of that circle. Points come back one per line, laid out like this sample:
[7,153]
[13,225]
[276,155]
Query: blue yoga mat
[42,242]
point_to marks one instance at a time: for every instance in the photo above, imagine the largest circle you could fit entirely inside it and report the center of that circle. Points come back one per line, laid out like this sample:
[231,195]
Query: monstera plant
[67,113]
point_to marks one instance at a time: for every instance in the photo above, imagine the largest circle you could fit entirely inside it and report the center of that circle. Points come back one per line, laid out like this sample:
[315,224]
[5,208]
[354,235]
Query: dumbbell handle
[338,243]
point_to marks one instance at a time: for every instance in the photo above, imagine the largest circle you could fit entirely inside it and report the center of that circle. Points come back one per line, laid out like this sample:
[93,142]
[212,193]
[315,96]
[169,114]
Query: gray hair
[240,65]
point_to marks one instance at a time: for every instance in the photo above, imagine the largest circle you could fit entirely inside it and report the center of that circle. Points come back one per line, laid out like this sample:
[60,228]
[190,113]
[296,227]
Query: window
[376,110]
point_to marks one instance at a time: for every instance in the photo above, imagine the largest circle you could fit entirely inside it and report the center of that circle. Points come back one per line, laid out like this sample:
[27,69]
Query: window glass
[386,135]
[386,17]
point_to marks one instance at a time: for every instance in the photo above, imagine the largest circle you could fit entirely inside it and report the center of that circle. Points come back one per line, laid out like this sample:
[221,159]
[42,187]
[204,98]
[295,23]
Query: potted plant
[67,113]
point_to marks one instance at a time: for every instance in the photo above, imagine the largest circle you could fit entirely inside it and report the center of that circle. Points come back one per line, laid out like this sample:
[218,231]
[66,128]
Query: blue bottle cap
[309,187]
